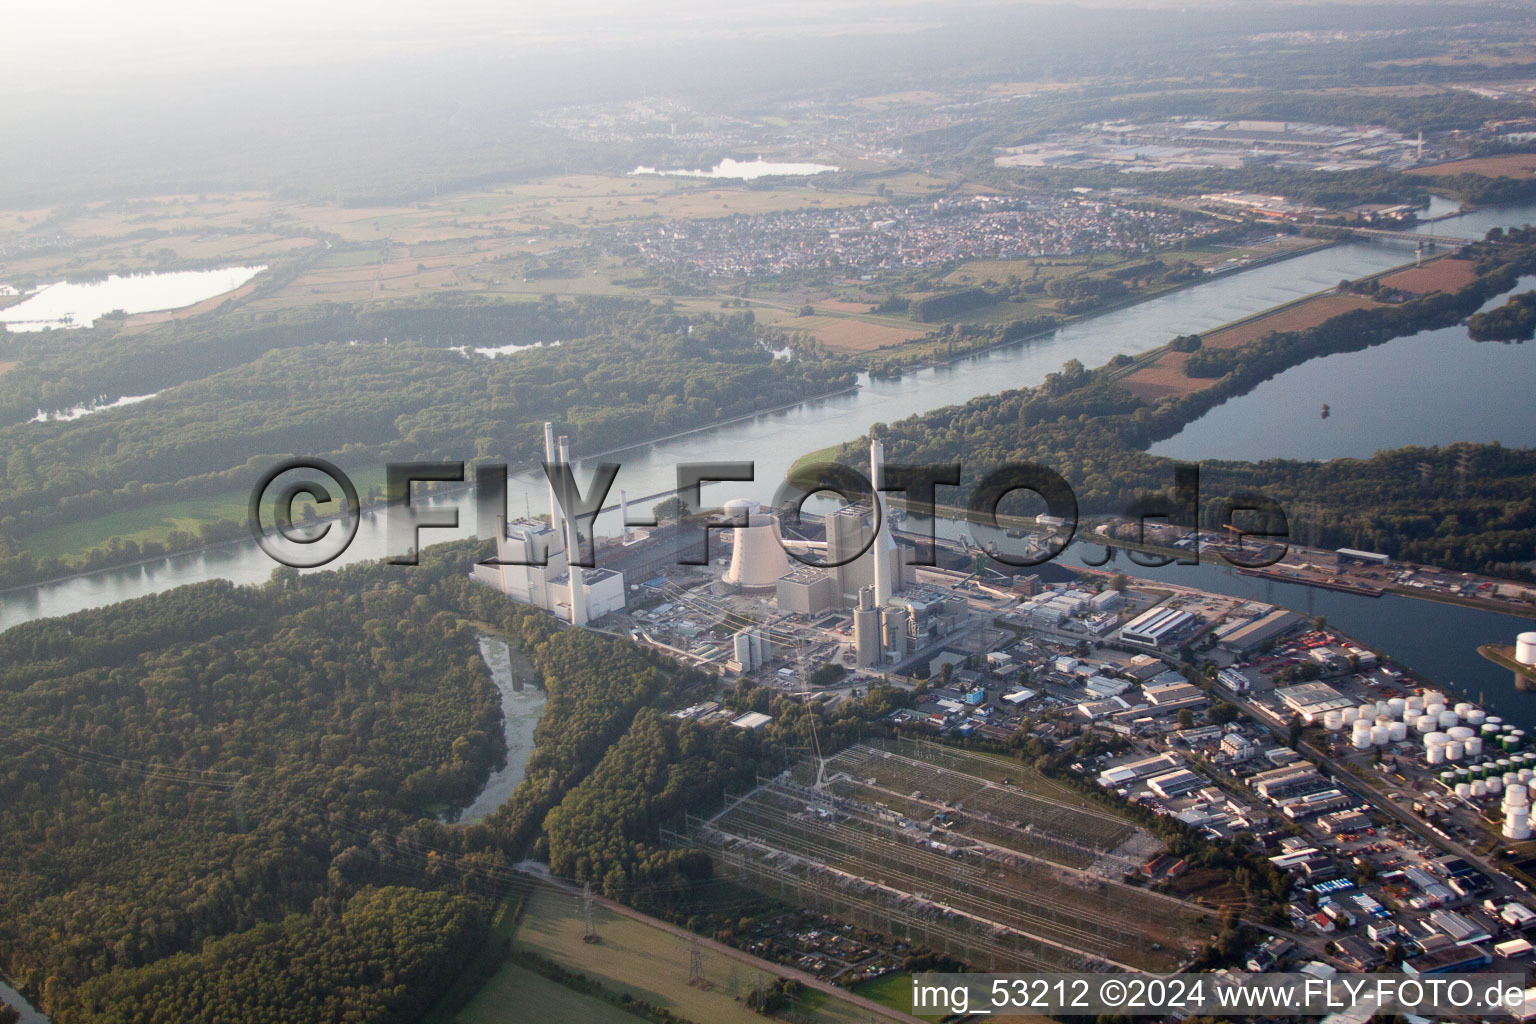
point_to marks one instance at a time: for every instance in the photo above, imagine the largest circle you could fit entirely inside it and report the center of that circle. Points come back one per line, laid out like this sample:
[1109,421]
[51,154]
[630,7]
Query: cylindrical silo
[1366,711]
[1477,716]
[1433,697]
[1447,719]
[1474,746]
[1398,706]
[1496,786]
[1525,648]
[1381,735]
[1479,788]
[1426,724]
[1463,789]
[1333,721]
[1349,715]
[1455,751]
[1415,704]
[1460,732]
[1494,720]
[1462,707]
[1516,795]
[1361,738]
[1399,731]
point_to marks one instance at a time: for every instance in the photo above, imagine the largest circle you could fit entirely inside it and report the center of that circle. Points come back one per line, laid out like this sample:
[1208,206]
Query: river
[774,440]
[522,703]
[29,1013]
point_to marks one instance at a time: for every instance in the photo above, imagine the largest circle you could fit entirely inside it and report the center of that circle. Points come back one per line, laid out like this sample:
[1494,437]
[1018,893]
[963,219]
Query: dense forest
[396,385]
[199,793]
[1413,503]
[1513,321]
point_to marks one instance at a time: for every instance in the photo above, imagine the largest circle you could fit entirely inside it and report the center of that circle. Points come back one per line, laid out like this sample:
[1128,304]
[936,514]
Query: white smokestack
[882,546]
[552,456]
[573,552]
[624,513]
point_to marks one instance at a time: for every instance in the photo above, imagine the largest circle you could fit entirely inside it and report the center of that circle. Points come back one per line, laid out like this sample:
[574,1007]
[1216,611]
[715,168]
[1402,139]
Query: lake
[1431,388]
[745,170]
[69,304]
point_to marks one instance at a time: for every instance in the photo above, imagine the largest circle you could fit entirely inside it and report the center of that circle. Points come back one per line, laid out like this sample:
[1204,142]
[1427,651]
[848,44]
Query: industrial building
[534,567]
[1157,628]
[1312,700]
[1244,635]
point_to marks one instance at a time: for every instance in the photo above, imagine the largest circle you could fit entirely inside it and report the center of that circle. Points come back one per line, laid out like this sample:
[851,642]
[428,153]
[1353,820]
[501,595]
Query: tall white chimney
[552,456]
[573,552]
[624,513]
[882,547]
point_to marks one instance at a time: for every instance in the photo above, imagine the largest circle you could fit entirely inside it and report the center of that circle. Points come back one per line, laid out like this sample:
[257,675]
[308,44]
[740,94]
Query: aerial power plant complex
[845,565]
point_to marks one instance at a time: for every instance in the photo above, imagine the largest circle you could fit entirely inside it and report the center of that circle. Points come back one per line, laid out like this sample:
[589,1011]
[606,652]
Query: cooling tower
[757,556]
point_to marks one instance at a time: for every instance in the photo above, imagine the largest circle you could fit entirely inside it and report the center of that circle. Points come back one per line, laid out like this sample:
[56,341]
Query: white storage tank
[1455,751]
[1399,732]
[1383,707]
[1426,723]
[1333,721]
[1525,648]
[1516,795]
[1474,745]
[1383,719]
[1434,755]
[1463,789]
[1362,740]
[1460,732]
[1381,735]
[1494,720]
[1415,704]
[1489,729]
[1349,715]
[1433,697]
[1479,788]
[1477,716]
[1462,708]
[1495,786]
[1366,711]
[1398,706]
[1436,709]
[1448,719]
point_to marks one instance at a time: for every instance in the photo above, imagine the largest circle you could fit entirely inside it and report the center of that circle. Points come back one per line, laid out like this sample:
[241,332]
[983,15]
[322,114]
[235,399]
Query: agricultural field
[1008,875]
[483,240]
[1298,316]
[1443,275]
[1510,165]
[517,994]
[1162,377]
[854,334]
[1165,376]
[652,964]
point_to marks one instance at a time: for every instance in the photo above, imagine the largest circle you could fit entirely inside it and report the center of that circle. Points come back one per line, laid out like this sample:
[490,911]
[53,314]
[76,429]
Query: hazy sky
[55,41]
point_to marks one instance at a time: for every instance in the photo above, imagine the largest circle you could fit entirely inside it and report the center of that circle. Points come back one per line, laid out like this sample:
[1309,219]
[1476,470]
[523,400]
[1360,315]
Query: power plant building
[807,591]
[572,593]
